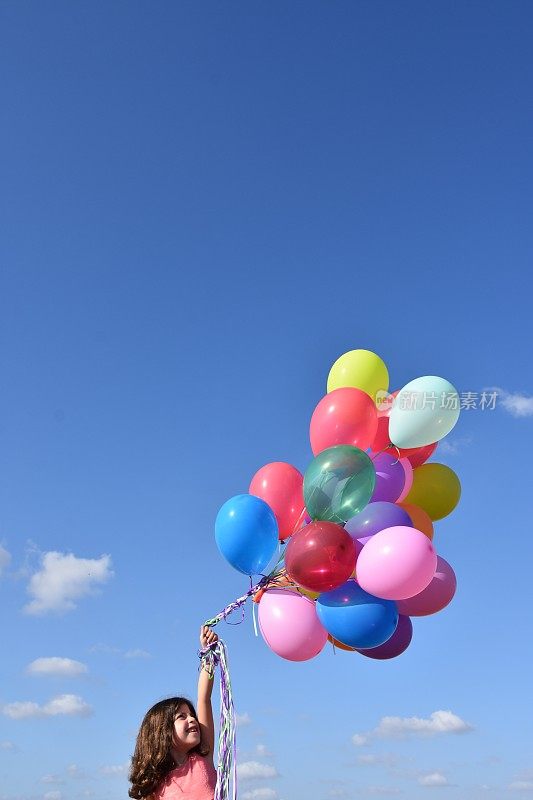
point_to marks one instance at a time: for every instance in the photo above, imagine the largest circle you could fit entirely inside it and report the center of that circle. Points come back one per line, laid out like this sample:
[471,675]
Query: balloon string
[384,450]
[299,522]
[272,579]
[254,619]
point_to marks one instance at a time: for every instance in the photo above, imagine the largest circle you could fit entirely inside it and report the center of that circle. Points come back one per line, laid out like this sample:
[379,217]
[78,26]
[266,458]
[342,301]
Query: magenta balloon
[408,470]
[390,478]
[396,563]
[290,626]
[396,645]
[434,597]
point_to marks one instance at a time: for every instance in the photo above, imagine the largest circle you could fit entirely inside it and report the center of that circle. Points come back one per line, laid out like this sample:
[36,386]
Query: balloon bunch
[359,560]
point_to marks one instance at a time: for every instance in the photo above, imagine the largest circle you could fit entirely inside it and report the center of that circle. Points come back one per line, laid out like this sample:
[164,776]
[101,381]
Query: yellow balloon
[436,489]
[359,369]
[308,593]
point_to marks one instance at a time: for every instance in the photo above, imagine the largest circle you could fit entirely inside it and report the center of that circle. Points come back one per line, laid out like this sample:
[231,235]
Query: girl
[173,755]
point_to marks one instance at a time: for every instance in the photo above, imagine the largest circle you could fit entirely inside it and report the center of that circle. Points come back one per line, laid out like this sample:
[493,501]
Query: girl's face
[186,729]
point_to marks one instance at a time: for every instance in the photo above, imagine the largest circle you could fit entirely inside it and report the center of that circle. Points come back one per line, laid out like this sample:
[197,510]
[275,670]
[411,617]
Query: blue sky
[203,206]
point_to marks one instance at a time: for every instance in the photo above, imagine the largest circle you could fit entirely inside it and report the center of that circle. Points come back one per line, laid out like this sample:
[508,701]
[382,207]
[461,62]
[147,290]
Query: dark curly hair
[152,759]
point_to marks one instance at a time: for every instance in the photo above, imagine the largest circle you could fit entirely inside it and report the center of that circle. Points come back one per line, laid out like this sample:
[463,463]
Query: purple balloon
[390,478]
[395,646]
[435,596]
[376,517]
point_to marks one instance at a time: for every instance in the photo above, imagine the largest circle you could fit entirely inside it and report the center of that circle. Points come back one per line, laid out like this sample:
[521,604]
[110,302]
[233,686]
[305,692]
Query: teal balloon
[338,483]
[423,412]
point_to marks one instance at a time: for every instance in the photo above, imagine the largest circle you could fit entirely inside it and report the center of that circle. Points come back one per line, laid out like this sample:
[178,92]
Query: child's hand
[207,637]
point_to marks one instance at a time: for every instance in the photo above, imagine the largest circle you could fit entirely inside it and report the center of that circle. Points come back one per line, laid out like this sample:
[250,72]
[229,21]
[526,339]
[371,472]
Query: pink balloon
[434,597]
[290,626]
[408,469]
[396,563]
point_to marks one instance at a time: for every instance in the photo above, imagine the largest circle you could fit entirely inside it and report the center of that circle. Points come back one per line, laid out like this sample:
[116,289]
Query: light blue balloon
[246,533]
[423,412]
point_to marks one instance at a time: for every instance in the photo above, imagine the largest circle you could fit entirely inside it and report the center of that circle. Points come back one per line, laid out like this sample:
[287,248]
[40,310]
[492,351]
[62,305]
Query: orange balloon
[420,518]
[338,644]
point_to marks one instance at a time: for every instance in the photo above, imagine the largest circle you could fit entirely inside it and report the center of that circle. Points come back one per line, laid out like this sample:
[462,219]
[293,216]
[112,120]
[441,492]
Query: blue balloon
[376,517]
[356,617]
[246,533]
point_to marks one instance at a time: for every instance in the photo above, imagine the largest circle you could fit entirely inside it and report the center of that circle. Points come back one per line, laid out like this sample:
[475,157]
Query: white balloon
[423,412]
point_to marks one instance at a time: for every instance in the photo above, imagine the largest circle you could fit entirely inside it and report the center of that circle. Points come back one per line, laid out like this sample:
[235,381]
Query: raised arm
[205,690]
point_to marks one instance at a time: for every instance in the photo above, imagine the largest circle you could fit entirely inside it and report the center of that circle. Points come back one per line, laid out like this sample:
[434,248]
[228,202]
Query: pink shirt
[193,780]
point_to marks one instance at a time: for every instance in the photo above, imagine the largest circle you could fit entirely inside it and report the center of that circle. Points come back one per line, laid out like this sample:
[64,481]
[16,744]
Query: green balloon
[338,483]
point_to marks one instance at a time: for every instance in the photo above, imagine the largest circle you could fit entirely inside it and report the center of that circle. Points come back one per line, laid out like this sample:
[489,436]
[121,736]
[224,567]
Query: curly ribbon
[227,762]
[217,654]
[227,745]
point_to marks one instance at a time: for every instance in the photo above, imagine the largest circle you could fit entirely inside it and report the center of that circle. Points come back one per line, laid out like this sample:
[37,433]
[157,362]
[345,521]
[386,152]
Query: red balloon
[381,439]
[344,416]
[281,486]
[416,455]
[320,557]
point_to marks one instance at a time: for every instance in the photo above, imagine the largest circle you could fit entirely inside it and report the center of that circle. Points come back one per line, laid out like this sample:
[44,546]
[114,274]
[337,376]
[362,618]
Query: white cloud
[101,647]
[7,745]
[64,704]
[383,790]
[242,719]
[439,722]
[521,786]
[55,794]
[116,651]
[433,779]
[67,704]
[516,403]
[5,559]
[52,779]
[22,709]
[63,579]
[76,772]
[264,793]
[118,769]
[454,446]
[254,769]
[56,667]
[262,750]
[371,759]
[336,787]
[137,653]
